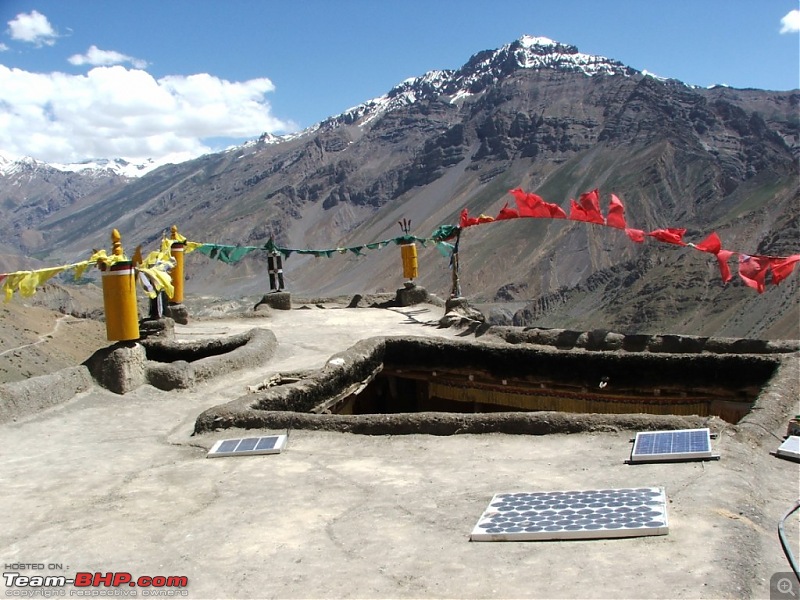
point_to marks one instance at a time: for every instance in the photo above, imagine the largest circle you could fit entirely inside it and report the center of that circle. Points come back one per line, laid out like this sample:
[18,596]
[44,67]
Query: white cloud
[791,22]
[103,58]
[115,112]
[32,27]
[3,47]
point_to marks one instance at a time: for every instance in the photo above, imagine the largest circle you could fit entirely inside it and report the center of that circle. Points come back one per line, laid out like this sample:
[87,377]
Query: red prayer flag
[590,201]
[518,194]
[782,267]
[531,205]
[506,213]
[724,269]
[576,212]
[753,270]
[711,244]
[670,235]
[525,202]
[587,209]
[555,211]
[637,235]
[616,214]
[466,220]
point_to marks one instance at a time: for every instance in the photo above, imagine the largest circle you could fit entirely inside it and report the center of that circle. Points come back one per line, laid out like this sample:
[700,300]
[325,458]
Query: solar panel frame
[790,448]
[566,515]
[672,445]
[248,446]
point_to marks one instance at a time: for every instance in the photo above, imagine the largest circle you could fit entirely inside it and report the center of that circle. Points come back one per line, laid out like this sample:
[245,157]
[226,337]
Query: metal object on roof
[678,445]
[589,514]
[790,448]
[269,444]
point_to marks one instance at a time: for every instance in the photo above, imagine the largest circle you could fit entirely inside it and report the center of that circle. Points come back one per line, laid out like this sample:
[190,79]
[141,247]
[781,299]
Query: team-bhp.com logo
[94,584]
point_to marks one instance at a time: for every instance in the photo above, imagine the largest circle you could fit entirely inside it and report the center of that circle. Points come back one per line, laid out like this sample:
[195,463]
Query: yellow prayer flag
[35,279]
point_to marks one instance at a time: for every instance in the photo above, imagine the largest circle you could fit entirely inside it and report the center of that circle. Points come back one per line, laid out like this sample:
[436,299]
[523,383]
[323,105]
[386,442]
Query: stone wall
[23,398]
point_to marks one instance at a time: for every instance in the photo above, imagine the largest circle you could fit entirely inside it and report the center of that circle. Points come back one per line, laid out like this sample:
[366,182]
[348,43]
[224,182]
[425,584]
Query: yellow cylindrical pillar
[119,296]
[176,250]
[409,254]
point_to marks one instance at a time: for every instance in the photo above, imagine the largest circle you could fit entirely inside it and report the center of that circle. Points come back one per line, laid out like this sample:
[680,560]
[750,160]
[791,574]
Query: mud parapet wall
[23,398]
[301,403]
[604,340]
[168,365]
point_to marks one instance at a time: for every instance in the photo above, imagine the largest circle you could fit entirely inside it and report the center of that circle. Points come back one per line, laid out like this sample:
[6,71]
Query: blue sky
[172,79]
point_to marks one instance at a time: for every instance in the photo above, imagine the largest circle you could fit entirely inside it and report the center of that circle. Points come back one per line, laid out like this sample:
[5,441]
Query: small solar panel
[589,514]
[269,444]
[681,444]
[790,448]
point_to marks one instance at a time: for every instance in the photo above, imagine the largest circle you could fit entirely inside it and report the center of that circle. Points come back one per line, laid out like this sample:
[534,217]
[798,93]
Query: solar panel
[682,444]
[589,514]
[269,444]
[790,448]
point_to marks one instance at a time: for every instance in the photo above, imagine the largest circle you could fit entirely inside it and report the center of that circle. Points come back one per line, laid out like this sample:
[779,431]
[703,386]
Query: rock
[500,316]
[411,294]
[355,302]
[511,292]
[276,300]
[119,368]
[459,312]
[164,327]
[177,312]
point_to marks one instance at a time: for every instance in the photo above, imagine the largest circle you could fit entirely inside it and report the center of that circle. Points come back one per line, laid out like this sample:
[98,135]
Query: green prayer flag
[444,232]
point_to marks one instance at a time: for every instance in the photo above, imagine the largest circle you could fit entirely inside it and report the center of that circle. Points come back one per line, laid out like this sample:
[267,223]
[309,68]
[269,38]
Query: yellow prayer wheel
[119,296]
[408,252]
[176,250]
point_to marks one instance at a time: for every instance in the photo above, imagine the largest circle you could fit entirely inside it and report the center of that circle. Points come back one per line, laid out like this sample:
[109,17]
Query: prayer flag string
[753,268]
[155,267]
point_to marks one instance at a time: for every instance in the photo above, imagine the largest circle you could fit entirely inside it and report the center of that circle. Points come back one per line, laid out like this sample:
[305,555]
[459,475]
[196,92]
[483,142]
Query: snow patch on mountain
[99,167]
[117,166]
[11,166]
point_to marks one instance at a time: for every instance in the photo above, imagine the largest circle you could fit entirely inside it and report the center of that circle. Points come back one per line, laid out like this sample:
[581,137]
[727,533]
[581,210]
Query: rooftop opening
[468,380]
[440,386]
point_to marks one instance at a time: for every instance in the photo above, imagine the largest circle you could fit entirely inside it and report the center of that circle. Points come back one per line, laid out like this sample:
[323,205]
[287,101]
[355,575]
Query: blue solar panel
[247,444]
[587,514]
[682,444]
[266,443]
[270,444]
[228,445]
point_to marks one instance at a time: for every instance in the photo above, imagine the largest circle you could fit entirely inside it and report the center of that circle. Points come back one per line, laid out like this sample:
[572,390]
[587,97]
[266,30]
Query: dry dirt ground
[108,483]
[36,341]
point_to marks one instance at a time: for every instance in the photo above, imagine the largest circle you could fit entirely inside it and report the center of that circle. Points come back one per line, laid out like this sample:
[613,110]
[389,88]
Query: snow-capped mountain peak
[482,70]
[13,166]
[99,167]
[530,40]
[539,53]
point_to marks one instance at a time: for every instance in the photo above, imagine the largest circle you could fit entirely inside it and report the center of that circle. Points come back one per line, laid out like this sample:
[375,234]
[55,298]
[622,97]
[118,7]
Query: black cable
[785,545]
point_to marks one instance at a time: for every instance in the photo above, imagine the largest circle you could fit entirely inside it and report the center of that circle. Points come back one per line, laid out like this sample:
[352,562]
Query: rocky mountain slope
[534,114]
